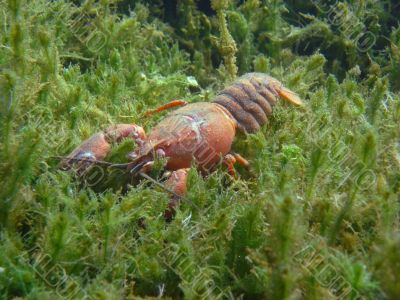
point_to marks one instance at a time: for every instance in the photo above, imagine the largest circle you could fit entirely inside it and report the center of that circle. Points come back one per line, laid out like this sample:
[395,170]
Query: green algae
[317,216]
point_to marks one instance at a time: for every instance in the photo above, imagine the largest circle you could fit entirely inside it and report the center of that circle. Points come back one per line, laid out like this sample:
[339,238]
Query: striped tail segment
[251,98]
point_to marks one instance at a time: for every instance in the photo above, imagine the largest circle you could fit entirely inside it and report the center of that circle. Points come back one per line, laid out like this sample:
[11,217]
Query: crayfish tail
[251,98]
[290,96]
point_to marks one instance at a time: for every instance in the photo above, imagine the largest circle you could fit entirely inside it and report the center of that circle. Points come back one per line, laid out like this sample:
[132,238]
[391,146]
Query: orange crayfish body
[200,133]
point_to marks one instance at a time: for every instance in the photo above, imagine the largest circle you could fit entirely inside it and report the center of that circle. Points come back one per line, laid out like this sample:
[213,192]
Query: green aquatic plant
[316,216]
[226,44]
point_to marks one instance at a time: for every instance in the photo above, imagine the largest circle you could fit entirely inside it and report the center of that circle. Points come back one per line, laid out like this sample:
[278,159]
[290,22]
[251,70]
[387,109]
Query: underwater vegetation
[316,218]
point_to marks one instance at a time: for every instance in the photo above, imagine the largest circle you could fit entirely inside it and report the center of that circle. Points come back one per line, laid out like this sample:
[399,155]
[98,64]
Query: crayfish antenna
[290,96]
[70,160]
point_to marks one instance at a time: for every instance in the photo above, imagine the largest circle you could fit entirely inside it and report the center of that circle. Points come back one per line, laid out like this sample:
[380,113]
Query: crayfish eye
[160,153]
[132,155]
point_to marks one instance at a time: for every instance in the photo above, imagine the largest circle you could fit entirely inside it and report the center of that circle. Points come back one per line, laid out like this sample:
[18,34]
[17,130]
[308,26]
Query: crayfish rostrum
[201,133]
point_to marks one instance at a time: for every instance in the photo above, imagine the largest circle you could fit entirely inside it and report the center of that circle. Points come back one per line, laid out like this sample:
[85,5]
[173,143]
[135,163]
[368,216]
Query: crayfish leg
[230,161]
[241,160]
[176,183]
[172,104]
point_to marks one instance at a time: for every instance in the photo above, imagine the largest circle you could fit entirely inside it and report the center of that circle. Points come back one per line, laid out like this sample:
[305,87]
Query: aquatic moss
[226,44]
[317,216]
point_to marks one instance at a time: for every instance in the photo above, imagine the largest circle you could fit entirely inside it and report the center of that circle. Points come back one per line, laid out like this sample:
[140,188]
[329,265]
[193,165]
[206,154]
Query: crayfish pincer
[201,133]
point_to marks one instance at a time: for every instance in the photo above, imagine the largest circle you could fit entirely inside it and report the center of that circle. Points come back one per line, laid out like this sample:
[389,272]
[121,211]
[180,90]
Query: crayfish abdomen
[250,99]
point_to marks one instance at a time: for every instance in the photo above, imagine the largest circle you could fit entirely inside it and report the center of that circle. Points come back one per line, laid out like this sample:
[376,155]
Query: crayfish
[199,134]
